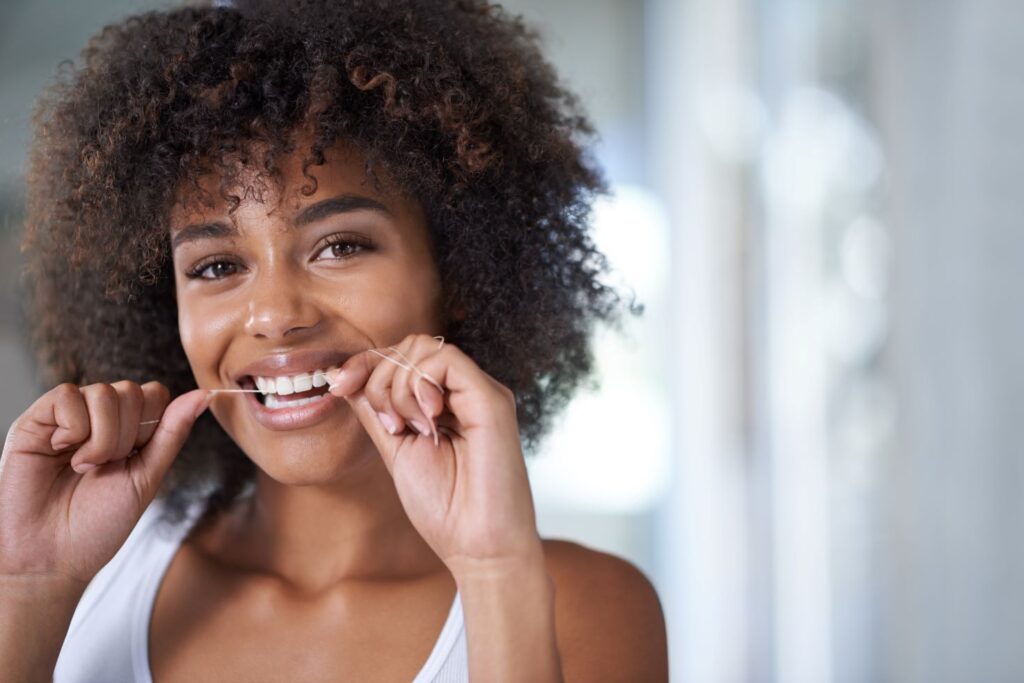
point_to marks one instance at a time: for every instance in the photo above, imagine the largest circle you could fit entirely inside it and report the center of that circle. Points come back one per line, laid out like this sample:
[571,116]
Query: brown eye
[214,270]
[340,247]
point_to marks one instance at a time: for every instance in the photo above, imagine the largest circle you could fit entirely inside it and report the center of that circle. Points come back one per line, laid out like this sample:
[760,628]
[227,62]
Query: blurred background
[809,442]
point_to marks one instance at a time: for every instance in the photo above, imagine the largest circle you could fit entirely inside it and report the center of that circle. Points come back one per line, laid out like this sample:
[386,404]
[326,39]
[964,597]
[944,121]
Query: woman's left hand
[469,495]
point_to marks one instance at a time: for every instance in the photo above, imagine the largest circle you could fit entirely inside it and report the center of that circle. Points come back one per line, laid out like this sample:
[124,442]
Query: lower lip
[299,417]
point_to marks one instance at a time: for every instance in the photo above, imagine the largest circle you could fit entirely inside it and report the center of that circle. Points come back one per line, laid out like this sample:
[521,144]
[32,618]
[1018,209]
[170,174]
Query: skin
[357,535]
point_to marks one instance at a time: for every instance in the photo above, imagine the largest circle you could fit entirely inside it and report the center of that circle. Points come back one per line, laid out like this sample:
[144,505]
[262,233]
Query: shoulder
[608,617]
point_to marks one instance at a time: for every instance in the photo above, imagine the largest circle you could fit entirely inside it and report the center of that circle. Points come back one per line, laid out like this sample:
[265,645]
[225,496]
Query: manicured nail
[420,427]
[388,422]
[83,467]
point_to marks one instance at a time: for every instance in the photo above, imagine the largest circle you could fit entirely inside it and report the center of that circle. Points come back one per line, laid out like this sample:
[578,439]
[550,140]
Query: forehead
[241,185]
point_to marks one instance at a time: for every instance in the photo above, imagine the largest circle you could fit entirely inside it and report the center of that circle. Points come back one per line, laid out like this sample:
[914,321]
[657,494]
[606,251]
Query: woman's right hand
[78,470]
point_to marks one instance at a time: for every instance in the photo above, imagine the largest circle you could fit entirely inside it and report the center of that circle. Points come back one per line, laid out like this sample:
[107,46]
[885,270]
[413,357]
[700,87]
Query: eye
[337,247]
[212,269]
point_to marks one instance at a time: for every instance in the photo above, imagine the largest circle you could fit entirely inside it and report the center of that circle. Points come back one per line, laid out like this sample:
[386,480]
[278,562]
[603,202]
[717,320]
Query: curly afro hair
[451,99]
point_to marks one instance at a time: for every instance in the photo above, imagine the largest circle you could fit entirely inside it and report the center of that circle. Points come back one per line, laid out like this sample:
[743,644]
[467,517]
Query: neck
[312,538]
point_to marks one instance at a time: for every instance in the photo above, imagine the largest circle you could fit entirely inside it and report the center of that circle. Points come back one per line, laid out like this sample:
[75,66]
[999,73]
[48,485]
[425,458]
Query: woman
[366,221]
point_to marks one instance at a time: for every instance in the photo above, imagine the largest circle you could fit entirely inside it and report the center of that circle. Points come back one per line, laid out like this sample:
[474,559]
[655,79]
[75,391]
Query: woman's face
[291,284]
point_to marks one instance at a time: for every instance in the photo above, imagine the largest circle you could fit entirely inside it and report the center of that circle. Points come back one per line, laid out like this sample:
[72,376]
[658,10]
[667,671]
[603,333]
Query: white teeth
[274,402]
[302,383]
[284,386]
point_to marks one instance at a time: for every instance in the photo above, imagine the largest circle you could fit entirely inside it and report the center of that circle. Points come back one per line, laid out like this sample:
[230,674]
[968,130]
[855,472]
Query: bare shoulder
[608,617]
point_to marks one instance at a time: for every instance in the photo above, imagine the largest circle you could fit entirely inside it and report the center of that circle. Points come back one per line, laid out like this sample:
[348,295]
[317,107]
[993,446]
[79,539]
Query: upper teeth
[283,386]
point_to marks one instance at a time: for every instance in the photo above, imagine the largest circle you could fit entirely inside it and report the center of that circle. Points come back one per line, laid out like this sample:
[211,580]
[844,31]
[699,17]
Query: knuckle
[366,361]
[64,395]
[103,392]
[65,391]
[402,385]
[504,390]
[375,393]
[129,389]
[158,391]
[507,394]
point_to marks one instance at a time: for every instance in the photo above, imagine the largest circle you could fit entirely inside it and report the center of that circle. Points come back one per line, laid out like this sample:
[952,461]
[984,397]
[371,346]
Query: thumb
[385,442]
[156,456]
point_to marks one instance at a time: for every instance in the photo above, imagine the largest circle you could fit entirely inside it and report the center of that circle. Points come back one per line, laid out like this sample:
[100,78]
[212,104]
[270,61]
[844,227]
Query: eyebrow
[344,203]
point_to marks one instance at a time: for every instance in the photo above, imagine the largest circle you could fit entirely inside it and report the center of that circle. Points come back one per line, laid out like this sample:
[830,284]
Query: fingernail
[83,467]
[388,422]
[420,427]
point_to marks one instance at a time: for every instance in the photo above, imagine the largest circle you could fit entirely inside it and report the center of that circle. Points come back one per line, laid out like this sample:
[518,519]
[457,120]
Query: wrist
[471,571]
[48,588]
[35,613]
[509,610]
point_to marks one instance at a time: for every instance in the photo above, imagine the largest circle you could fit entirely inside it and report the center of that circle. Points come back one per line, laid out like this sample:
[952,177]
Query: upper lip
[293,363]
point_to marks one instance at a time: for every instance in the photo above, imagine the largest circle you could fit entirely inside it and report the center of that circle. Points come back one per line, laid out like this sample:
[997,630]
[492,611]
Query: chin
[311,460]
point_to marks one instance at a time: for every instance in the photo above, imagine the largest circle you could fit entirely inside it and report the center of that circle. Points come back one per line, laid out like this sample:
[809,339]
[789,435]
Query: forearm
[510,622]
[35,613]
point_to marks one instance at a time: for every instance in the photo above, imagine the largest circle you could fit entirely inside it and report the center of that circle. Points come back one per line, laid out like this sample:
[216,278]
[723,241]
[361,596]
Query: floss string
[408,365]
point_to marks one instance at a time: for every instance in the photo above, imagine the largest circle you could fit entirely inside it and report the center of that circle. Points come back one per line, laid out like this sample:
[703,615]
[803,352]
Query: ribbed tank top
[108,638]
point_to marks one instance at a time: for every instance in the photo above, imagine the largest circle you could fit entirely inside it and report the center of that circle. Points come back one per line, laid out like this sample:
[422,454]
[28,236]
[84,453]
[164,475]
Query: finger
[353,373]
[404,390]
[387,444]
[428,397]
[464,384]
[56,421]
[378,391]
[155,398]
[421,348]
[155,458]
[69,413]
[102,403]
[129,410]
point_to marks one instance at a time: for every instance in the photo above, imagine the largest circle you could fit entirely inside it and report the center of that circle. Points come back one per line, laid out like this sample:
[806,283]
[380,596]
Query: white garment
[107,641]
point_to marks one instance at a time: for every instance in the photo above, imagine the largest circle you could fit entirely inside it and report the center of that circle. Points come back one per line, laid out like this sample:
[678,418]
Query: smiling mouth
[289,391]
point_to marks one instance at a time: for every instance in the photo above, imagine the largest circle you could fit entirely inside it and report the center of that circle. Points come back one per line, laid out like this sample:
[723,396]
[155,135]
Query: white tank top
[108,642]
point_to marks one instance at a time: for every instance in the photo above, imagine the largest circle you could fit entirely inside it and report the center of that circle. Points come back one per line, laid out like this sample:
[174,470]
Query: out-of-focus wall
[950,563]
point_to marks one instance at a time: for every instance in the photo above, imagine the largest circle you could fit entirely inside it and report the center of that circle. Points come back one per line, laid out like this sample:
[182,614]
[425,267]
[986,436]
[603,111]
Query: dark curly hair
[451,99]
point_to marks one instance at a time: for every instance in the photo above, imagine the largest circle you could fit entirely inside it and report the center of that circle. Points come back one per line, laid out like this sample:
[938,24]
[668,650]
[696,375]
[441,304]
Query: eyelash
[196,271]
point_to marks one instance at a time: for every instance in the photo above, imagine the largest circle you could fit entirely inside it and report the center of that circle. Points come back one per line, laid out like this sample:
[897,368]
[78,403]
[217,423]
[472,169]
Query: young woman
[350,239]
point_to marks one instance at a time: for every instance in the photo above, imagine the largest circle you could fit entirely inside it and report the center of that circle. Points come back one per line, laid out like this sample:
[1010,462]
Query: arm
[609,617]
[463,482]
[58,525]
[510,623]
[35,613]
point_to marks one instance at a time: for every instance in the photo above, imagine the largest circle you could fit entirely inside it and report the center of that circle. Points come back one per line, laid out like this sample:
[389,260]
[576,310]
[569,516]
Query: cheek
[203,329]
[388,308]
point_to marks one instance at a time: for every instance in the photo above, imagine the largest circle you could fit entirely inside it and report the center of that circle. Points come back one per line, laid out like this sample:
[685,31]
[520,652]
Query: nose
[278,308]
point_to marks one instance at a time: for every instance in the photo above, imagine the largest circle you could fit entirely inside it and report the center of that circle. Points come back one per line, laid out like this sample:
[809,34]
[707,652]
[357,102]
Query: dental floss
[411,366]
[416,386]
